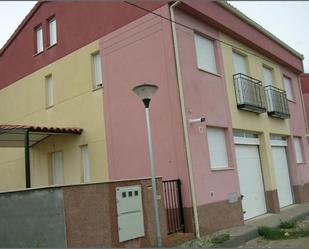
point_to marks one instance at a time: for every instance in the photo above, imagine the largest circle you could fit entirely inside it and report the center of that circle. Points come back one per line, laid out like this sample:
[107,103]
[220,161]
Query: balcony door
[268,76]
[240,63]
[246,93]
[272,97]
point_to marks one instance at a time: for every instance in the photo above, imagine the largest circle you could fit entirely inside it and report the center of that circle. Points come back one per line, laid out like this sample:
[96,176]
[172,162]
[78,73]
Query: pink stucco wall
[304,80]
[206,96]
[226,21]
[300,172]
[143,52]
[306,102]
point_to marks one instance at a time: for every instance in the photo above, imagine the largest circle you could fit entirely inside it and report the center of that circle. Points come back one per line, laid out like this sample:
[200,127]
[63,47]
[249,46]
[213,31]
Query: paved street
[299,212]
[291,243]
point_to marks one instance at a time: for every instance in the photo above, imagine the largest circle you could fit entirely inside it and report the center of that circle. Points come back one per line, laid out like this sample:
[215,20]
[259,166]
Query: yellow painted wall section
[249,121]
[76,104]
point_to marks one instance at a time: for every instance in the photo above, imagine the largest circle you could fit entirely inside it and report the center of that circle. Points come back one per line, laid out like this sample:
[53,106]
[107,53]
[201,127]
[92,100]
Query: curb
[235,241]
[238,240]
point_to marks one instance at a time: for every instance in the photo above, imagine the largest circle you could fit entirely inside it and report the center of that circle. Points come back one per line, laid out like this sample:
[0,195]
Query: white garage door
[251,180]
[282,176]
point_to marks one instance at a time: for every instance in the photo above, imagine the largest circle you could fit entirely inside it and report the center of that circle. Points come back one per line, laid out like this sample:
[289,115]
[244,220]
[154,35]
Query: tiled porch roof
[73,130]
[14,135]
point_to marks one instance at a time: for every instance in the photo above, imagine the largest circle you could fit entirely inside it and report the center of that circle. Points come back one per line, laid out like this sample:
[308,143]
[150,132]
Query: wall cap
[52,187]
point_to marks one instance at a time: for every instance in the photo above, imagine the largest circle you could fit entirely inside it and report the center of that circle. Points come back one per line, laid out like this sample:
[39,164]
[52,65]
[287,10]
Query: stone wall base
[301,193]
[272,201]
[215,216]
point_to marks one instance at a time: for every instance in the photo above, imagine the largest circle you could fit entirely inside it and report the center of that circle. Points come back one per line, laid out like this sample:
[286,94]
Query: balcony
[250,95]
[277,104]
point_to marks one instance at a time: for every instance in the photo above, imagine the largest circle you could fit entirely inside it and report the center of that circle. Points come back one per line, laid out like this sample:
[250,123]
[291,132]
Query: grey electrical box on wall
[130,213]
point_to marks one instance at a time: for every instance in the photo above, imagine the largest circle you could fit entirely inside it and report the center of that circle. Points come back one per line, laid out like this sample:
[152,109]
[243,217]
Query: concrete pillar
[268,171]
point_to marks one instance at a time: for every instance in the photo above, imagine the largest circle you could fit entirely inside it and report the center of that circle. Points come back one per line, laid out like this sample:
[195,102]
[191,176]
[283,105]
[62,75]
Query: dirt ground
[287,243]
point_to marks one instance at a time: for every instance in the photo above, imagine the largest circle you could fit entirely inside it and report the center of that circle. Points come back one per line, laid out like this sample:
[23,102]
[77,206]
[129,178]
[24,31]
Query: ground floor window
[86,163]
[57,168]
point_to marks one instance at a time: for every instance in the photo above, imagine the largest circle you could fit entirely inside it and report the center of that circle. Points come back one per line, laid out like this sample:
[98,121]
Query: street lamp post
[145,92]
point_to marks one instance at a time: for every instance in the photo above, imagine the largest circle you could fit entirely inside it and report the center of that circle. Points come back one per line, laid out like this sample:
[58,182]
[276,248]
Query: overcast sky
[11,15]
[286,20]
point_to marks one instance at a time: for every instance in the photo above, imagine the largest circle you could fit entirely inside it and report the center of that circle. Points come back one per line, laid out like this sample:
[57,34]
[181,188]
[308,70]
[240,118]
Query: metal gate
[173,206]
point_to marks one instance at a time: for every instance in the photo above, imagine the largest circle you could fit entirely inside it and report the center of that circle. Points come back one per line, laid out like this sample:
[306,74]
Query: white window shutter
[57,168]
[86,163]
[52,32]
[268,76]
[217,148]
[97,69]
[288,88]
[39,39]
[49,91]
[205,53]
[240,63]
[298,150]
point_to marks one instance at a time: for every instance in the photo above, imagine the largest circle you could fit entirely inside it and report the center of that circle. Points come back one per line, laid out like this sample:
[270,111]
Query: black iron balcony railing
[277,104]
[250,95]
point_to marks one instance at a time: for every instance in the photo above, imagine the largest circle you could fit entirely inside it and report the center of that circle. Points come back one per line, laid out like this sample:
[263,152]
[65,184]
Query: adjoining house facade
[249,157]
[50,80]
[304,79]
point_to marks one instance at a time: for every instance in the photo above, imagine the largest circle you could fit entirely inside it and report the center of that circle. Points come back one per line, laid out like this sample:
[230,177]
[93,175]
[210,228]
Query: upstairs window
[49,91]
[268,76]
[240,63]
[39,39]
[205,52]
[288,87]
[97,70]
[52,24]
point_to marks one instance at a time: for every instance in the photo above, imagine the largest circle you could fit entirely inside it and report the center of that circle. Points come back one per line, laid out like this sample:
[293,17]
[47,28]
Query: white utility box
[130,212]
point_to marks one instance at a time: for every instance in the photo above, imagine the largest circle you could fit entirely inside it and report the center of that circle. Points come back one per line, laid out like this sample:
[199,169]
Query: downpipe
[184,121]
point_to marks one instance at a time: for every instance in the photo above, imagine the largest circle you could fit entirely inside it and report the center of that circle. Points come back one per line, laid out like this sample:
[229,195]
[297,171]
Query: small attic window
[39,39]
[52,26]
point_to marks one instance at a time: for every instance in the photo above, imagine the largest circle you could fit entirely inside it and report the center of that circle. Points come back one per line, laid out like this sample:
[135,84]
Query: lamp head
[145,93]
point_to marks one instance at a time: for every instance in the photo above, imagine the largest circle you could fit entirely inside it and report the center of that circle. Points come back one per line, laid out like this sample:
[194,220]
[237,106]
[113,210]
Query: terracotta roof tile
[73,130]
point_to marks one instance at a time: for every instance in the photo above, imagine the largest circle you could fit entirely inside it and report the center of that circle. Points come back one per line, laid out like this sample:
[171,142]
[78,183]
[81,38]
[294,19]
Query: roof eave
[21,25]
[246,19]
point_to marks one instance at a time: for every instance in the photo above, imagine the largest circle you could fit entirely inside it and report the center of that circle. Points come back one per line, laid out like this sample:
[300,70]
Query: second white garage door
[251,180]
[282,176]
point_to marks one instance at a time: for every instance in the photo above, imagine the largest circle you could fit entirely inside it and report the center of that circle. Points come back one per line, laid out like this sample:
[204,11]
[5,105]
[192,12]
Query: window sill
[214,74]
[51,46]
[38,53]
[49,107]
[97,88]
[301,163]
[222,169]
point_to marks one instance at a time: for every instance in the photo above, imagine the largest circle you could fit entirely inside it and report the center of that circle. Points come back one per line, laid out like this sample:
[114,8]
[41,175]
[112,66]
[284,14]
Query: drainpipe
[27,158]
[184,120]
